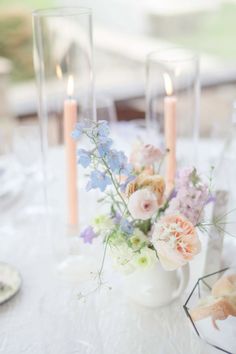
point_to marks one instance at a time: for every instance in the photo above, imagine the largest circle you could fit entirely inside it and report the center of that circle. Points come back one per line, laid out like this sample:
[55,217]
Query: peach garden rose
[154,183]
[175,240]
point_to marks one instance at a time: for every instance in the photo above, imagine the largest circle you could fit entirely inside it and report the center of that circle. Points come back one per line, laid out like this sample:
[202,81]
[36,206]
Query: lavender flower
[88,234]
[117,218]
[191,196]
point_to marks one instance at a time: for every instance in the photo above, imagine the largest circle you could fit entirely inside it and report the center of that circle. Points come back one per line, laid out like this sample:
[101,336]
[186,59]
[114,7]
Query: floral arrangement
[145,223]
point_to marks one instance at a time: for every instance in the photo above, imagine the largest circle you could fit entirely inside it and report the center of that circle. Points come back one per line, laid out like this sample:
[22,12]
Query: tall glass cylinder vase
[63,60]
[172,101]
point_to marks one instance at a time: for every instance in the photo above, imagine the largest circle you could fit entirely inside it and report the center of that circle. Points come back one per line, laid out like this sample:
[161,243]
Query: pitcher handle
[185,271]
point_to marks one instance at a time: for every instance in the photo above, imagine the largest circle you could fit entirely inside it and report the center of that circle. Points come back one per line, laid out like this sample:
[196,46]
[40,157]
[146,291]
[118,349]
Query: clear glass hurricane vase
[172,83]
[63,60]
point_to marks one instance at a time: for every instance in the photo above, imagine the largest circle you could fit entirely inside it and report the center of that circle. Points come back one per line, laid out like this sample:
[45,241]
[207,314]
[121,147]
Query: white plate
[10,282]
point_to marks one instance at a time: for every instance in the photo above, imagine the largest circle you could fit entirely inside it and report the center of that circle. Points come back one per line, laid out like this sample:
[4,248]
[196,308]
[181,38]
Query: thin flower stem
[116,203]
[224,215]
[115,185]
[103,258]
[104,254]
[204,226]
[223,230]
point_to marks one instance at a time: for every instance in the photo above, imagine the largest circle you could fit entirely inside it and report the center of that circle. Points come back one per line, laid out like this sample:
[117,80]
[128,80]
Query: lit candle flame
[168,84]
[70,86]
[58,71]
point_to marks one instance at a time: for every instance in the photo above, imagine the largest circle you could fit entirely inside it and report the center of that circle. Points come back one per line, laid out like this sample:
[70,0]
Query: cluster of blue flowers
[125,226]
[107,160]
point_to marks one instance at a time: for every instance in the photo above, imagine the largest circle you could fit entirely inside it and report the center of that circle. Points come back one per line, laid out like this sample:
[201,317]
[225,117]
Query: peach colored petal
[155,183]
[169,258]
[131,188]
[224,286]
[175,240]
[217,309]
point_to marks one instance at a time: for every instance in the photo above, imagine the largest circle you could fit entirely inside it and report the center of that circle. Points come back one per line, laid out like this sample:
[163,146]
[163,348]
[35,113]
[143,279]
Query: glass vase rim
[190,55]
[62,11]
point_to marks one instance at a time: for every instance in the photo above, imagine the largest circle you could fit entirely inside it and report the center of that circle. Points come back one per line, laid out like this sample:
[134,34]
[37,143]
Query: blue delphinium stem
[115,185]
[114,182]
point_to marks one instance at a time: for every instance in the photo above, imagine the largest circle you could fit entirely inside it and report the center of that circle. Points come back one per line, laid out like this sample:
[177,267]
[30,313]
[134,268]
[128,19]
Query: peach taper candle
[70,118]
[170,103]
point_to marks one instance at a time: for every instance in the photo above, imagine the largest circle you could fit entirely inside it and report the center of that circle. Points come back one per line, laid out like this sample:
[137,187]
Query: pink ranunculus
[142,204]
[145,155]
[175,240]
[150,154]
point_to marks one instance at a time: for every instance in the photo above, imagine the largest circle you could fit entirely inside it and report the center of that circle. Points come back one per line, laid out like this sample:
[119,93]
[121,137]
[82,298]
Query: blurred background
[124,32]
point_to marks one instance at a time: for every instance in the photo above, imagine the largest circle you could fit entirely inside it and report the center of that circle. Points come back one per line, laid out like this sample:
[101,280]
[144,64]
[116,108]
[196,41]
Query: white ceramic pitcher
[154,286]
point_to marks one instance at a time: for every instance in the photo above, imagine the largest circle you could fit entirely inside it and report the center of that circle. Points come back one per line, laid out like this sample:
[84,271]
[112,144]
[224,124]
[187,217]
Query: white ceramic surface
[155,287]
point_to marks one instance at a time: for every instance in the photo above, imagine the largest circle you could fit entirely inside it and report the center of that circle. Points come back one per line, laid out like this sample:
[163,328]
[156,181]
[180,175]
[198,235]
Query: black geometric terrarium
[222,335]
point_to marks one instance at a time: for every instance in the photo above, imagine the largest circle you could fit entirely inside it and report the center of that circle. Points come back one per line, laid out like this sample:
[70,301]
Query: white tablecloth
[47,317]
